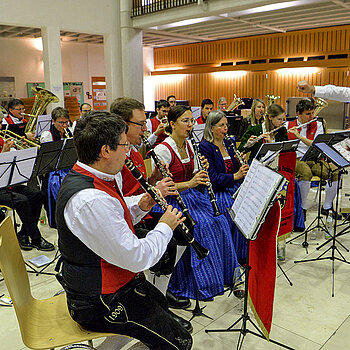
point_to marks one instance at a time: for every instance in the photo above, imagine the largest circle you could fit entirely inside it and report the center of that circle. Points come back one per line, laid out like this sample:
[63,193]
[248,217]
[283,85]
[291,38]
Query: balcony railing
[143,7]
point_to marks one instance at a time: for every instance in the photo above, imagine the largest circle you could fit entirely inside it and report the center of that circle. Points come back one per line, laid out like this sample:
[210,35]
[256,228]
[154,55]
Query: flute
[257,139]
[209,185]
[189,219]
[200,251]
[238,154]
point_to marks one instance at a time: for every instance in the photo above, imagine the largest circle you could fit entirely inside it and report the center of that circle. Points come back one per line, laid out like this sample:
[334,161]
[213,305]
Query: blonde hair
[252,115]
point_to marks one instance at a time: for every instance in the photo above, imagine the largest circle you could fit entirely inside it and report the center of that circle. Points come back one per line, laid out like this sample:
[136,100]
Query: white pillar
[53,64]
[132,55]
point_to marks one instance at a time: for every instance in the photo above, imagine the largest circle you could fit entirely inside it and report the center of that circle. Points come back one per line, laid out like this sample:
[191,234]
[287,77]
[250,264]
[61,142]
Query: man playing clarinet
[103,259]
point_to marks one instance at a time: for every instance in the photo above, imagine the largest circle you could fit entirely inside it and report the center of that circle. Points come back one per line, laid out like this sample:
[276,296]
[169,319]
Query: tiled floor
[306,316]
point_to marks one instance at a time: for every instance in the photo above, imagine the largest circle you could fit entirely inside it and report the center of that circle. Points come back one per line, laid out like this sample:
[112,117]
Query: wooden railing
[143,7]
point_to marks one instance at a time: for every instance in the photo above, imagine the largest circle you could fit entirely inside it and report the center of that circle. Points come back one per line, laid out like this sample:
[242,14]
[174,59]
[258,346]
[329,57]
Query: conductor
[102,257]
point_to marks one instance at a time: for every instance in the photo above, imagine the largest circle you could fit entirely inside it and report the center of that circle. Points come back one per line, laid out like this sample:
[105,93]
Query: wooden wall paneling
[308,42]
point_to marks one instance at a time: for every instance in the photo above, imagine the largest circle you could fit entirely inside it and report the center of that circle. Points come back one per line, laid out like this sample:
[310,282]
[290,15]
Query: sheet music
[198,132]
[43,124]
[259,188]
[25,160]
[343,147]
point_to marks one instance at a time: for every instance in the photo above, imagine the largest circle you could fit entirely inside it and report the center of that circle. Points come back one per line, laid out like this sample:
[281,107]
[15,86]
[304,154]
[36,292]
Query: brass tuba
[43,98]
[271,99]
[235,103]
[320,103]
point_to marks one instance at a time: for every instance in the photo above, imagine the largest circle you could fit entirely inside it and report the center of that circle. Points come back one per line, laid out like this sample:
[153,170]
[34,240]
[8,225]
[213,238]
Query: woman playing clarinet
[225,170]
[274,119]
[206,276]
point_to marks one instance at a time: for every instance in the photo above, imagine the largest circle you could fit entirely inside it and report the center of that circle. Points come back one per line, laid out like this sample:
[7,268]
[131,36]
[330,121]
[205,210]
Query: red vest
[181,172]
[200,120]
[113,277]
[130,185]
[1,144]
[161,137]
[10,121]
[310,131]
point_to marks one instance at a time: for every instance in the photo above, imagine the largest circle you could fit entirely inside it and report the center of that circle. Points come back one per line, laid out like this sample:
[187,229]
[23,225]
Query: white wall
[20,58]
[148,80]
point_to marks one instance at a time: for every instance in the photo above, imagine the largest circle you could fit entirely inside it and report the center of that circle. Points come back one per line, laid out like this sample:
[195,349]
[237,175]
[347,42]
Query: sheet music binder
[255,197]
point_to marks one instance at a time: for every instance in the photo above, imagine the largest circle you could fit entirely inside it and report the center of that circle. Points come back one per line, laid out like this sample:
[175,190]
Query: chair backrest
[14,271]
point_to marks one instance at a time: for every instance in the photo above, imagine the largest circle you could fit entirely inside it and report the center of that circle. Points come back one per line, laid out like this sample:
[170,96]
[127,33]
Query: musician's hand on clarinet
[205,163]
[167,187]
[304,87]
[200,178]
[146,203]
[172,217]
[241,172]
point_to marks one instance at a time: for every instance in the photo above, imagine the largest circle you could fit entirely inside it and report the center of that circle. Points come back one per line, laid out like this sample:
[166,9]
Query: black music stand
[54,156]
[313,154]
[251,230]
[341,163]
[16,168]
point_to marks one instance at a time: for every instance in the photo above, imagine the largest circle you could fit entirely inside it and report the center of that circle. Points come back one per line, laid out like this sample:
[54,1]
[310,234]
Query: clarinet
[238,154]
[189,219]
[200,251]
[209,185]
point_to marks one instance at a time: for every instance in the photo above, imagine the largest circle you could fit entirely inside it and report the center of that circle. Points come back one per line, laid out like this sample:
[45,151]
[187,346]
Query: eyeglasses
[63,123]
[127,145]
[143,125]
[187,121]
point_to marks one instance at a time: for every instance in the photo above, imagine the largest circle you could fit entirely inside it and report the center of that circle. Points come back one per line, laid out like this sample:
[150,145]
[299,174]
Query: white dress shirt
[332,92]
[14,119]
[46,136]
[164,153]
[152,138]
[97,219]
[302,147]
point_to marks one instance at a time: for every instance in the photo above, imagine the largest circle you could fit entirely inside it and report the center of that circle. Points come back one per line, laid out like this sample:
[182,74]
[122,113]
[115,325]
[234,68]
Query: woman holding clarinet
[208,276]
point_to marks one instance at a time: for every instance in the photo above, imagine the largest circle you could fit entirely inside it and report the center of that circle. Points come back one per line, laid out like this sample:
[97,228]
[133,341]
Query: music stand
[16,168]
[43,124]
[313,154]
[198,132]
[341,163]
[249,223]
[52,157]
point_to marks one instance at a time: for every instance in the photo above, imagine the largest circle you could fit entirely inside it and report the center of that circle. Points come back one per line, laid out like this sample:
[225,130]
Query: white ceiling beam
[176,35]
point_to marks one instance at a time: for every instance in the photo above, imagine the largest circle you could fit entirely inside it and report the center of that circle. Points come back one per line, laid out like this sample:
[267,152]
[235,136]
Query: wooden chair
[46,323]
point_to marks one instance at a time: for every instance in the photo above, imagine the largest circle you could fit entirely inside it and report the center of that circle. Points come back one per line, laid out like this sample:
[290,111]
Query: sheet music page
[255,194]
[43,124]
[343,147]
[25,160]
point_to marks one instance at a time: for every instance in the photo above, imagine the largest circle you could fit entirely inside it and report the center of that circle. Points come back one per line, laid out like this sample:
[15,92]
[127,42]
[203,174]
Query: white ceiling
[223,23]
[296,15]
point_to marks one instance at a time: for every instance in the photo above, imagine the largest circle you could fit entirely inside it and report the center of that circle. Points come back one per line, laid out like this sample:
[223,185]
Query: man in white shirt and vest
[103,259]
[305,170]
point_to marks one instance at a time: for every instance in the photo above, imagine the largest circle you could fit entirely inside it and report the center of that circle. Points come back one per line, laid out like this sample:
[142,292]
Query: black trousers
[27,202]
[138,310]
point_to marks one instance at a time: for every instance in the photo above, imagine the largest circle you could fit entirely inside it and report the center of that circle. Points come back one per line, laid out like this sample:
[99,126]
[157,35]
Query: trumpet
[20,142]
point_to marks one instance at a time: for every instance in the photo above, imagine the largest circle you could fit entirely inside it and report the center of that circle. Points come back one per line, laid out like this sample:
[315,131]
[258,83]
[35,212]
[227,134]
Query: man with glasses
[222,104]
[132,111]
[15,116]
[103,259]
[59,126]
